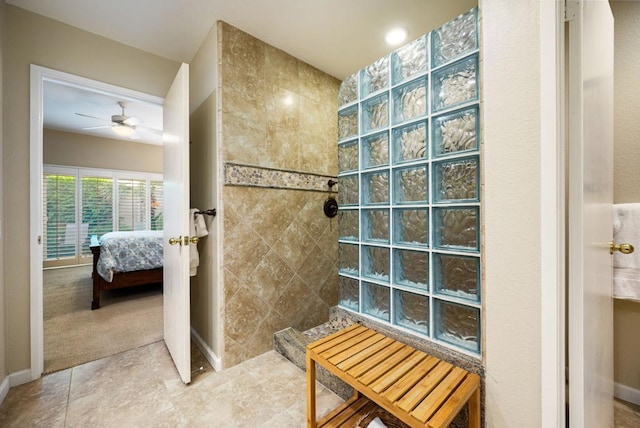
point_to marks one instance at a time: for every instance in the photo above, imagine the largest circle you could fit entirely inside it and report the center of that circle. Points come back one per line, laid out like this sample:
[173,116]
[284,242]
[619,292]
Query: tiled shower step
[292,345]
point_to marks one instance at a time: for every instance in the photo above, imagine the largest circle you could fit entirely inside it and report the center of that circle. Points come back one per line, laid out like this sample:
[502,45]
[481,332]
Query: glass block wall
[409,193]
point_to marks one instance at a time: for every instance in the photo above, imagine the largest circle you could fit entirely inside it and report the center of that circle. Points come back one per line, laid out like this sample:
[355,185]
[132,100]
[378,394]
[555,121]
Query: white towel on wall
[197,227]
[626,267]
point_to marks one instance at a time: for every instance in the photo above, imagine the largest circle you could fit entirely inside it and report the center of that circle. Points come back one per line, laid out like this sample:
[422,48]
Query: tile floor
[141,388]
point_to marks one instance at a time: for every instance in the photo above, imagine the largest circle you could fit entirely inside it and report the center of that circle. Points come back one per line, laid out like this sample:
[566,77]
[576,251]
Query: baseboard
[18,378]
[214,360]
[4,389]
[626,393]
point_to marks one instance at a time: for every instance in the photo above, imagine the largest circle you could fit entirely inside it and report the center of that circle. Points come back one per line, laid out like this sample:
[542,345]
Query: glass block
[456,228]
[375,263]
[375,300]
[457,324]
[457,276]
[455,38]
[375,226]
[410,100]
[411,311]
[348,156]
[348,91]
[411,226]
[348,190]
[375,150]
[348,224]
[410,185]
[348,293]
[348,259]
[411,268]
[374,77]
[455,84]
[348,122]
[456,132]
[409,60]
[410,142]
[457,180]
[375,188]
[375,113]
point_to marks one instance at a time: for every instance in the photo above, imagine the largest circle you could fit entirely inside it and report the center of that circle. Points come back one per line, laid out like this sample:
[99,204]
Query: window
[80,202]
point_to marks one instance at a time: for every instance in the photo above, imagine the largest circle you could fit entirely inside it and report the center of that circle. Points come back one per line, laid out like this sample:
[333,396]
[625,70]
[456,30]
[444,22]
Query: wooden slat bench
[417,388]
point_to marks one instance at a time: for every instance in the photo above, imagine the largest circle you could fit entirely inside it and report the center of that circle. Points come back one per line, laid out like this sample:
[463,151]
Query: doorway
[88,165]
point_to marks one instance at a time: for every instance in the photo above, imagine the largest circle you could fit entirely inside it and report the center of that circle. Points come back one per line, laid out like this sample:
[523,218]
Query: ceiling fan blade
[98,127]
[93,117]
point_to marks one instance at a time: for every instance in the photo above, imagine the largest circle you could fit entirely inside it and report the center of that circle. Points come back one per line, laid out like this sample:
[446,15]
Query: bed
[125,259]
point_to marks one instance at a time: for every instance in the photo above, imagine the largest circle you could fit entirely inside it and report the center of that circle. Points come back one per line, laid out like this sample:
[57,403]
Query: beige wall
[66,148]
[280,251]
[38,40]
[205,288]
[511,199]
[626,174]
[3,225]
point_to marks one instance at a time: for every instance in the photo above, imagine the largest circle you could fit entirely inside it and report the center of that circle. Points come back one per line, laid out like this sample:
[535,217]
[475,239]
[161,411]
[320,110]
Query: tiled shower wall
[409,172]
[280,251]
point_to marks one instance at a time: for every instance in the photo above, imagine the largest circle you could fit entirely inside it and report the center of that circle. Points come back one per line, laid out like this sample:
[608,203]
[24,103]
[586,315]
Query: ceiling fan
[121,124]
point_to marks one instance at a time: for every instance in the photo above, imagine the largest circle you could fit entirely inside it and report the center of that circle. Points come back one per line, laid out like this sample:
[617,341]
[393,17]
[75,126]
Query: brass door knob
[623,248]
[175,241]
[194,239]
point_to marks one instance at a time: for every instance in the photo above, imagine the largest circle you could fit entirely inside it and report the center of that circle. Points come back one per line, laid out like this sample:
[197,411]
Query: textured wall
[66,148]
[626,176]
[39,40]
[512,176]
[280,251]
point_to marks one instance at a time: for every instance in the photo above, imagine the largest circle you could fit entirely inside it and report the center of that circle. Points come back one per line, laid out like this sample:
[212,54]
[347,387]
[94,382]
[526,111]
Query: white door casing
[590,215]
[176,291]
[38,76]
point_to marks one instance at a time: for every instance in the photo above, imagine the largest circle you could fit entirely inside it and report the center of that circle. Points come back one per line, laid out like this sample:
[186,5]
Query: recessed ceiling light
[396,36]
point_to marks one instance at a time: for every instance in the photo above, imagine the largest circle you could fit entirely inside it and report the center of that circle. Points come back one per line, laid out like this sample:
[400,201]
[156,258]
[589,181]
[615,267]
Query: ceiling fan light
[123,130]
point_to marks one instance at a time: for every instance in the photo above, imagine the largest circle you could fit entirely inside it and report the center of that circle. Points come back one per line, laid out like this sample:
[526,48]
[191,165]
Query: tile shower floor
[141,388]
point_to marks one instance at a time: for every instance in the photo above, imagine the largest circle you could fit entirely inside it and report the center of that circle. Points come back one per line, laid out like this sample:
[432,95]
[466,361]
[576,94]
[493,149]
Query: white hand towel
[194,257]
[200,225]
[376,423]
[626,267]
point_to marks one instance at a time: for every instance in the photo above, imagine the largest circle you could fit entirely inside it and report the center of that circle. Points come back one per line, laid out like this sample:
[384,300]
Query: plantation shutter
[132,204]
[156,205]
[60,205]
[96,206]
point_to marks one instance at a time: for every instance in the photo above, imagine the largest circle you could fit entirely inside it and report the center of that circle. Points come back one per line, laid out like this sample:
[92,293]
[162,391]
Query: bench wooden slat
[366,353]
[396,371]
[354,349]
[344,343]
[346,413]
[439,395]
[406,382]
[372,360]
[424,387]
[316,344]
[452,406]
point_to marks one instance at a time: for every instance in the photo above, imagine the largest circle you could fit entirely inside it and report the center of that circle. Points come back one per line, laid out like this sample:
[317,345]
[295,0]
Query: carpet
[74,334]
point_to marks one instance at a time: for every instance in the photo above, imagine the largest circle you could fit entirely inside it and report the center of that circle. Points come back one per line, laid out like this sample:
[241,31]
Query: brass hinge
[571,8]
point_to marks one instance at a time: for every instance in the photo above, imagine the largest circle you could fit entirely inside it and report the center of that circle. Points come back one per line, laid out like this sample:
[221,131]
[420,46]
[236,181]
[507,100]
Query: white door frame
[553,211]
[38,76]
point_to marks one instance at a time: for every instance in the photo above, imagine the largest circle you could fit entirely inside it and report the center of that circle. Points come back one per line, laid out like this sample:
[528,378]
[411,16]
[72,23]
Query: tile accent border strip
[257,176]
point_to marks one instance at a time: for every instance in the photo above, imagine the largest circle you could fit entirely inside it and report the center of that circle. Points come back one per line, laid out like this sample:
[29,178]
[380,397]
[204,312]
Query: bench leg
[474,409]
[311,392]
